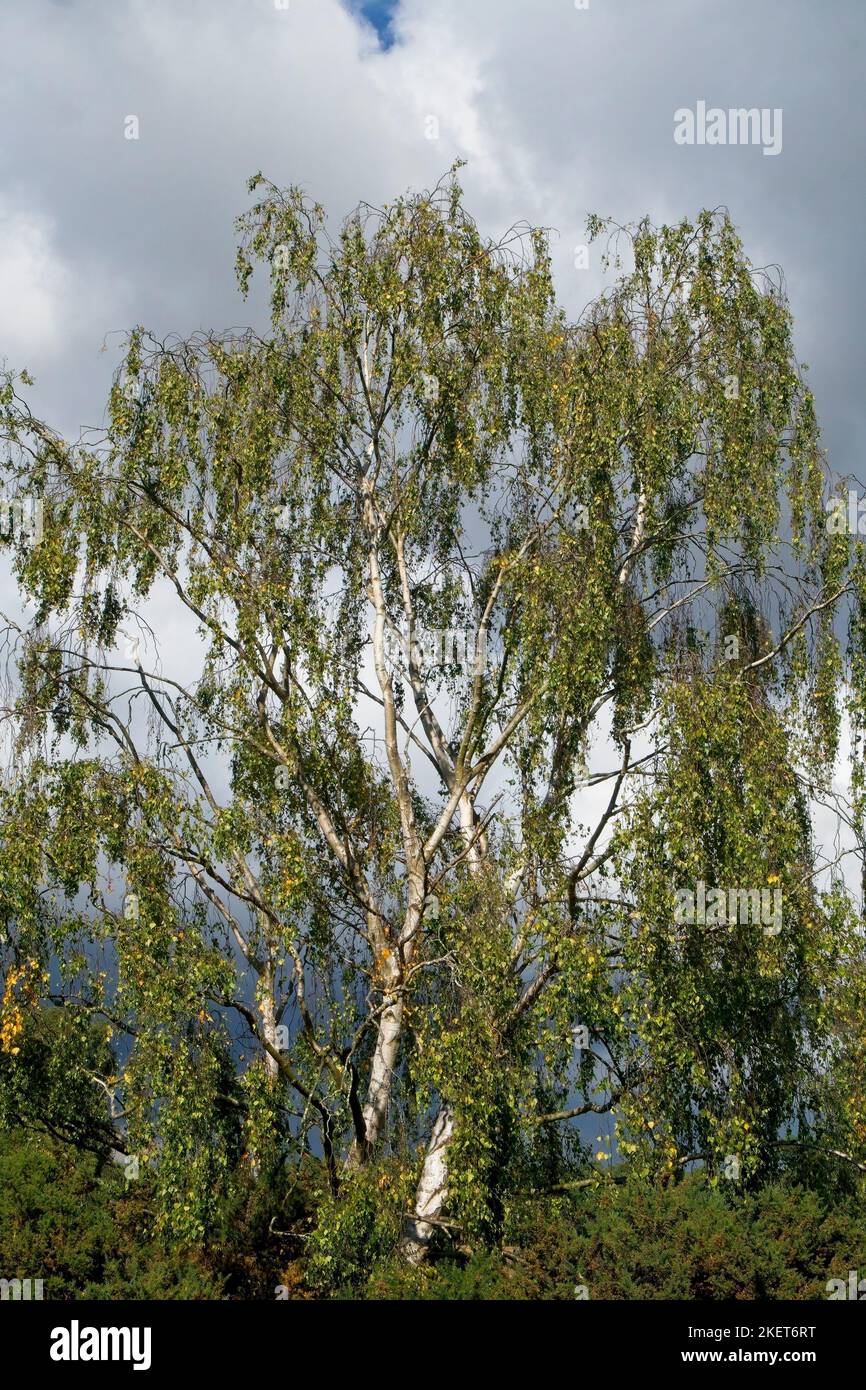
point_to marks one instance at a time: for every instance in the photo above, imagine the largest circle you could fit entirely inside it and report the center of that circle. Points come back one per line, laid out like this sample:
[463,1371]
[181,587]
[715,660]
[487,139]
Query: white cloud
[34,283]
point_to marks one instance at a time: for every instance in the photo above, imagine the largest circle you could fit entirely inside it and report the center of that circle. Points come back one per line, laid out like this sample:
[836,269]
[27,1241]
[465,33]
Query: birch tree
[447,566]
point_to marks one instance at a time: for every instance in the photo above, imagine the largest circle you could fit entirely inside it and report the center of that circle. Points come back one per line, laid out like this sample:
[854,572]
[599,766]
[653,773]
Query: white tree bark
[389,1027]
[268,1015]
[382,1070]
[431,1194]
[432,1191]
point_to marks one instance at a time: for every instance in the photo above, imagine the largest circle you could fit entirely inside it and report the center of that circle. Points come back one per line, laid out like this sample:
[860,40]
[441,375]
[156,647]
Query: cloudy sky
[559,111]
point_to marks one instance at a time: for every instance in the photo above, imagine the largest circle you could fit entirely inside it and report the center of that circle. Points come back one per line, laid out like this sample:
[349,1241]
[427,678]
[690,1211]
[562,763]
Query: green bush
[357,1228]
[67,1217]
[688,1241]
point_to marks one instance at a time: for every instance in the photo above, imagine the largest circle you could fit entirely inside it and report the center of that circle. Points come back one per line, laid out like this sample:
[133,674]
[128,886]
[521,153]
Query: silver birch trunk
[432,1191]
[385,1056]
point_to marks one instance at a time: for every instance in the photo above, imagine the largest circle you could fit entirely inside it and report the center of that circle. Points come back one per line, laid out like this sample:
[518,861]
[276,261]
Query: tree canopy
[389,673]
